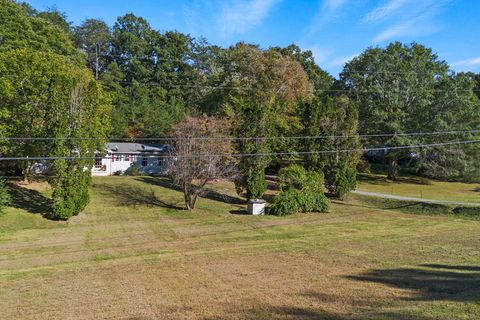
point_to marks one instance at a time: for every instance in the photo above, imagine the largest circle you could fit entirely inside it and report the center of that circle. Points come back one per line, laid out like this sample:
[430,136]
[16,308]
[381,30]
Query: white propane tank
[256,207]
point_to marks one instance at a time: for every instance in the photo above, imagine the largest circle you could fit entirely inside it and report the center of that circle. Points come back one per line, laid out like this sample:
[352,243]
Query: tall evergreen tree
[45,90]
[93,38]
[337,119]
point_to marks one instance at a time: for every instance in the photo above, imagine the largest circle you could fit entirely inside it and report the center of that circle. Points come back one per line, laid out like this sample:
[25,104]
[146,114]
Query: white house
[120,156]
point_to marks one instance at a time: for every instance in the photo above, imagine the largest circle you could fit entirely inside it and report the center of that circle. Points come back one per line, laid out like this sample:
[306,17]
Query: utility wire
[158,58]
[252,154]
[251,89]
[113,139]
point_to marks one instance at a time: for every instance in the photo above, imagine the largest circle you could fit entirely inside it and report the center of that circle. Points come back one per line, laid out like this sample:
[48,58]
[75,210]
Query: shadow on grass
[294,312]
[382,180]
[134,196]
[30,200]
[405,206]
[444,266]
[430,285]
[209,194]
[272,185]
[239,212]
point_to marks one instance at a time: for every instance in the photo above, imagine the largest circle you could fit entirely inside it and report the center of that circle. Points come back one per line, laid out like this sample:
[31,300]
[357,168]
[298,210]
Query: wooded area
[84,84]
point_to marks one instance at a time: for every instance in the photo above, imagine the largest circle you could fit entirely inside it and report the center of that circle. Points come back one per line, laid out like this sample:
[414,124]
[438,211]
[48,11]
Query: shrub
[285,203]
[347,181]
[298,177]
[117,173]
[4,195]
[341,180]
[468,211]
[70,195]
[134,171]
[252,184]
[363,166]
[301,191]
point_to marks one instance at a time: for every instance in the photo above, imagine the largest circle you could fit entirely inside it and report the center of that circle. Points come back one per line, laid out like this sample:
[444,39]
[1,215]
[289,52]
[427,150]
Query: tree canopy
[132,81]
[406,88]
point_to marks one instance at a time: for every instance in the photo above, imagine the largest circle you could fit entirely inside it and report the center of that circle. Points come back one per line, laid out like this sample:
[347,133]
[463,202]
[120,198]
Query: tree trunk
[26,173]
[193,201]
[392,169]
[188,200]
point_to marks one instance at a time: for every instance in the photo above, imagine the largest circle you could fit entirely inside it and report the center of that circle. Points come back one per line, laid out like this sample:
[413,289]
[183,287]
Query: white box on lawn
[256,207]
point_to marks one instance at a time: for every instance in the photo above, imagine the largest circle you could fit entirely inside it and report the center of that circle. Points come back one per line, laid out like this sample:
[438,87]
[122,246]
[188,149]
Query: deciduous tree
[267,87]
[393,88]
[198,156]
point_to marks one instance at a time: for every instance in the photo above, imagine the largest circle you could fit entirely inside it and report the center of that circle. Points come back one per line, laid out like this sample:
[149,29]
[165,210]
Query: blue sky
[335,30]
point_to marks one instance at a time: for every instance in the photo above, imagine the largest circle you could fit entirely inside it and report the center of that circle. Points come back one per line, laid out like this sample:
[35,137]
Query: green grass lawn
[133,254]
[420,188]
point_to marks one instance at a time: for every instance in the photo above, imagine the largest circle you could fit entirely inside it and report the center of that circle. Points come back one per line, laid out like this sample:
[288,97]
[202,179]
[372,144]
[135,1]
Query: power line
[251,89]
[114,139]
[157,58]
[312,90]
[265,154]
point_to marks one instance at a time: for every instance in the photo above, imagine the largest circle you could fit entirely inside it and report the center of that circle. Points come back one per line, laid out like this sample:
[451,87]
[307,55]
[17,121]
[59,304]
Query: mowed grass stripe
[147,261]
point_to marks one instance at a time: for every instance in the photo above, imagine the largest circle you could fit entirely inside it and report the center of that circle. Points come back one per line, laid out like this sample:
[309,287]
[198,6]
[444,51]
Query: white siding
[114,163]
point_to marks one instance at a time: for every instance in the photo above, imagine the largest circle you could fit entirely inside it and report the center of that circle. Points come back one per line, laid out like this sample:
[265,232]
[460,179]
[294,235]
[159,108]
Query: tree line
[130,80]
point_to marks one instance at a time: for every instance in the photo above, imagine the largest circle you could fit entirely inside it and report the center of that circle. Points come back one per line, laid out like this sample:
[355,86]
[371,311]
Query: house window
[160,162]
[98,163]
[144,161]
[127,157]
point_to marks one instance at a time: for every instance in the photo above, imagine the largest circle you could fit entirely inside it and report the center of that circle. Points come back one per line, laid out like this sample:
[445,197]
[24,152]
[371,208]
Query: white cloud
[401,29]
[473,62]
[385,10]
[333,4]
[320,54]
[327,12]
[340,62]
[239,17]
[416,18]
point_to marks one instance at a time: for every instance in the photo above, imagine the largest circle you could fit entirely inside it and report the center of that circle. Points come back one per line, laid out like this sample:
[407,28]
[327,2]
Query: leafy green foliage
[337,118]
[273,85]
[406,88]
[56,18]
[286,203]
[151,77]
[4,195]
[468,211]
[45,91]
[340,180]
[134,171]
[301,190]
[23,28]
[93,38]
[70,195]
[455,107]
